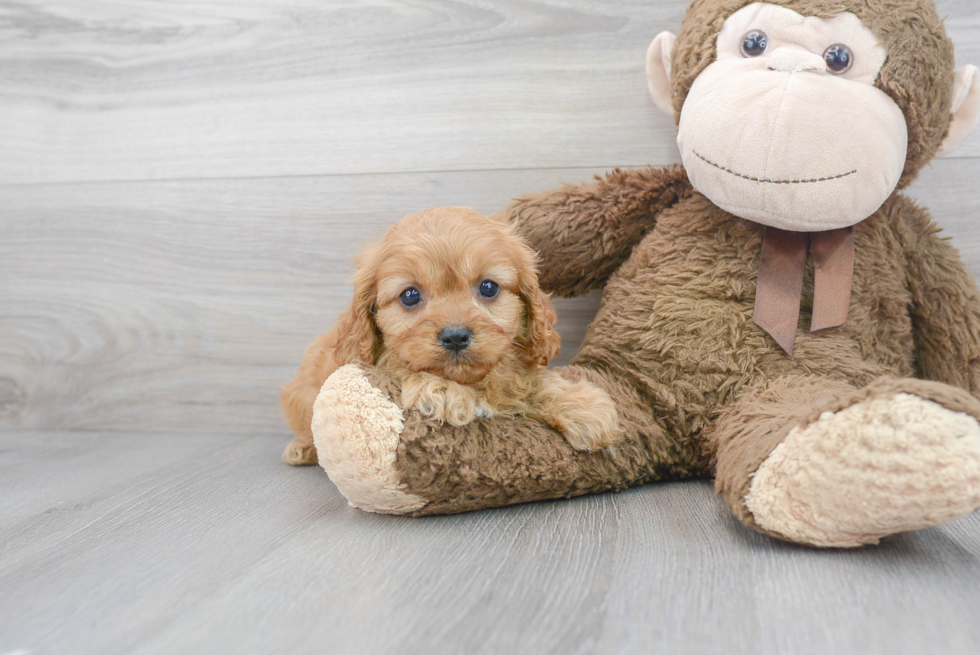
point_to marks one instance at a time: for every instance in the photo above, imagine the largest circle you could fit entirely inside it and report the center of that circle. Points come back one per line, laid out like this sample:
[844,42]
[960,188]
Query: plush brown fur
[698,385]
[701,390]
[446,253]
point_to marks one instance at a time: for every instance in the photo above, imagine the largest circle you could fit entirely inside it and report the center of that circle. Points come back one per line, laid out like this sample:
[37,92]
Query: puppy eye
[839,58]
[489,289]
[754,43]
[410,297]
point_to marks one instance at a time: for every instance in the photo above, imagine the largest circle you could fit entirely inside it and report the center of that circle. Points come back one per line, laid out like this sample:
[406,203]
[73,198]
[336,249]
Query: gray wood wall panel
[117,90]
[178,304]
[181,184]
[160,305]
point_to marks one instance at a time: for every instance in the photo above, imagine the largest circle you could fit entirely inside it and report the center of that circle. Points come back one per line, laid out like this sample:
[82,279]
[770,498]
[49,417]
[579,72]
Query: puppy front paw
[443,400]
[585,416]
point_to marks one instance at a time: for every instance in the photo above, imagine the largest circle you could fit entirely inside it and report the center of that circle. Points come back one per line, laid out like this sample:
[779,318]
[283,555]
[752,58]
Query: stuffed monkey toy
[775,314]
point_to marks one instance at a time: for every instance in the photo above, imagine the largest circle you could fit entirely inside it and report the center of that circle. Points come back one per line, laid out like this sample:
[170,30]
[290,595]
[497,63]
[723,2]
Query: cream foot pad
[879,467]
[356,429]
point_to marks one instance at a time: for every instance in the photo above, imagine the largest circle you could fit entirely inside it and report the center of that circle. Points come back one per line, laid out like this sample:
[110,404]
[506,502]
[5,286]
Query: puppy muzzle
[455,338]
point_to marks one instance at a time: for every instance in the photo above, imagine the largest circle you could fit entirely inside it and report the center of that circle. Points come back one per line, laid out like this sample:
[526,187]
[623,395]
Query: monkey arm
[585,232]
[945,304]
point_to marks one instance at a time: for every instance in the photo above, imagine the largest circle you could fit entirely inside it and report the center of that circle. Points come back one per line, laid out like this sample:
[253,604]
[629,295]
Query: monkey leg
[819,462]
[385,460]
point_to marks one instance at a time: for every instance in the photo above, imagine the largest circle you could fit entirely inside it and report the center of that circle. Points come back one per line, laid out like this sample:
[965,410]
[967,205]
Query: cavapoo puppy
[449,303]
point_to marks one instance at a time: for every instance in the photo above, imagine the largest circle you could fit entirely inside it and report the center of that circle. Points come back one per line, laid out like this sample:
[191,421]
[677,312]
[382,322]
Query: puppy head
[449,292]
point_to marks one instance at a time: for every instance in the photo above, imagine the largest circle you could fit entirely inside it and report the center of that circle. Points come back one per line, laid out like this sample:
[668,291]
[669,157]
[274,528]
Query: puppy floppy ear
[358,337]
[540,341]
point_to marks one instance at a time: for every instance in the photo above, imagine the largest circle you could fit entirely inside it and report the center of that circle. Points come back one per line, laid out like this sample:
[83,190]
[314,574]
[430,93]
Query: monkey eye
[410,297]
[839,58]
[489,289]
[754,43]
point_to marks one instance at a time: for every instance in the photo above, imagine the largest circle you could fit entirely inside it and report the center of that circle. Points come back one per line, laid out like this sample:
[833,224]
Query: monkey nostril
[455,337]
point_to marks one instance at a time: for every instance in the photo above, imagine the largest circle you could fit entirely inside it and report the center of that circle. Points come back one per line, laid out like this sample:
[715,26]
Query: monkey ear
[966,108]
[658,71]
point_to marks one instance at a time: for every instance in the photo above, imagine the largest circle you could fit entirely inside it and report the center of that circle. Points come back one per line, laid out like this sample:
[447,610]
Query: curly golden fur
[446,254]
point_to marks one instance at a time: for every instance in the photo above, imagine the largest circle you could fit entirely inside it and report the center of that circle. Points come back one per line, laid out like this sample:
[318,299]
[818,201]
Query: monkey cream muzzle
[786,127]
[791,149]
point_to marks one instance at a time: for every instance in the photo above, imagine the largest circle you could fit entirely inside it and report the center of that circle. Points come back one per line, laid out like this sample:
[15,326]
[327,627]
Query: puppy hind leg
[297,396]
[300,452]
[296,401]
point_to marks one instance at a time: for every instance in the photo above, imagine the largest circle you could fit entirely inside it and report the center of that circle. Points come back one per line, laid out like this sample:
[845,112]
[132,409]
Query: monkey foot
[882,466]
[356,429]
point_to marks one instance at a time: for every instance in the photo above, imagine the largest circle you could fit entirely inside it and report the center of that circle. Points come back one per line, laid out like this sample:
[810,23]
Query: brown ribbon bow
[780,283]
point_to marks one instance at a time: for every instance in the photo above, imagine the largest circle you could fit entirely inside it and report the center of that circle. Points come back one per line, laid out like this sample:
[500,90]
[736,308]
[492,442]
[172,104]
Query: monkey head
[806,115]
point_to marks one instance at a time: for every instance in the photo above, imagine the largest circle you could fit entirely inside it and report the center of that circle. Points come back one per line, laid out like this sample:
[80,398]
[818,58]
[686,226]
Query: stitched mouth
[766,181]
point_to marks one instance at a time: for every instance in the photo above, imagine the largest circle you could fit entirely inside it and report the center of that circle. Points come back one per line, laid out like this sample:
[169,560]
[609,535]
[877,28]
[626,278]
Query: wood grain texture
[160,305]
[182,184]
[198,542]
[180,304]
[117,90]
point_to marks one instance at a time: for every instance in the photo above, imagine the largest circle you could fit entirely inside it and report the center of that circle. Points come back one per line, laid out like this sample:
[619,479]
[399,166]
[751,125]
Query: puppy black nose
[455,337]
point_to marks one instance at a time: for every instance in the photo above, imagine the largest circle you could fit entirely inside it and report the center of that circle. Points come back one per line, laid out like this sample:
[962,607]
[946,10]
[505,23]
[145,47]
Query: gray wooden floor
[181,187]
[202,542]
